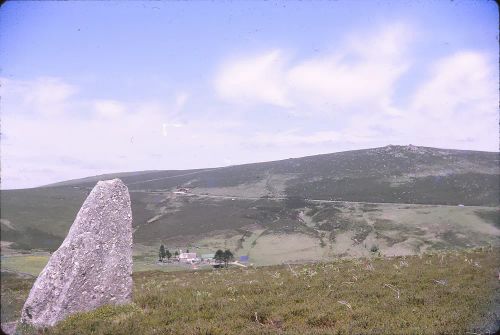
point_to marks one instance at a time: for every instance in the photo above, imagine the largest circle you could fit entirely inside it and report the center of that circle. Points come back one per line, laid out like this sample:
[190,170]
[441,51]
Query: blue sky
[98,87]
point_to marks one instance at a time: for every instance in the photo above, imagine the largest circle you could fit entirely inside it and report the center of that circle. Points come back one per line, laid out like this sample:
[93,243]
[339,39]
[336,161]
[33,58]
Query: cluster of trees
[220,256]
[224,256]
[165,253]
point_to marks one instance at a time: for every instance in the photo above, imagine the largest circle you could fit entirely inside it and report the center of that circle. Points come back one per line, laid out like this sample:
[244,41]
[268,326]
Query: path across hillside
[236,197]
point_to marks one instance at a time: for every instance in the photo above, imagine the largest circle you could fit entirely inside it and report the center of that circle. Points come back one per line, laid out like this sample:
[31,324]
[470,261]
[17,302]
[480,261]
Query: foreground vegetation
[443,293]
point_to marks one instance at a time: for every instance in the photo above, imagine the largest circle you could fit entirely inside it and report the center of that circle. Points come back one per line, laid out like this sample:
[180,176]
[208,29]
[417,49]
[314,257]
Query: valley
[293,219]
[397,200]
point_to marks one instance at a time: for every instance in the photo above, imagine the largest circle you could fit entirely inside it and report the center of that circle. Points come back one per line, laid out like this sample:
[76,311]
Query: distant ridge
[393,173]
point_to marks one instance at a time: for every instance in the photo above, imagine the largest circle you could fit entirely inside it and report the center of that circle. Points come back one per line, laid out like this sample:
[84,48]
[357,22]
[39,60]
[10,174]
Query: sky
[98,87]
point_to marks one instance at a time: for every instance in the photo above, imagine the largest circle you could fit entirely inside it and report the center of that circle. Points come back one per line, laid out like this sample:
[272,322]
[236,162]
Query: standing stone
[93,266]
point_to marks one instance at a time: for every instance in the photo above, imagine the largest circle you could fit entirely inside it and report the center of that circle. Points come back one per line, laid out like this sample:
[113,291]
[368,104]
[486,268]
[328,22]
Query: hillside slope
[398,174]
[313,199]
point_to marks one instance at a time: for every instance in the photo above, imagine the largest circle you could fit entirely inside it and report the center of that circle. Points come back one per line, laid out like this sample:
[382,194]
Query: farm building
[187,257]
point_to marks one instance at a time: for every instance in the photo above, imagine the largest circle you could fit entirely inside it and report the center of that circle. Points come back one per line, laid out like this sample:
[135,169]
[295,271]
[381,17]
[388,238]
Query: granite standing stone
[93,266]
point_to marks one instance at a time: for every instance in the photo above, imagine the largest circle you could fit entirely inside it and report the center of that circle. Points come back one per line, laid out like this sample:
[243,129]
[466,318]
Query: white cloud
[294,137]
[166,126]
[457,105]
[363,71]
[181,100]
[44,96]
[458,82]
[94,136]
[109,108]
[327,86]
[254,80]
[390,42]
[454,106]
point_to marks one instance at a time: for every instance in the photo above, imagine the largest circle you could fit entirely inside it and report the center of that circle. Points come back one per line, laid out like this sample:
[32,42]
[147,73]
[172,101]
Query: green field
[33,264]
[443,293]
[272,232]
[27,264]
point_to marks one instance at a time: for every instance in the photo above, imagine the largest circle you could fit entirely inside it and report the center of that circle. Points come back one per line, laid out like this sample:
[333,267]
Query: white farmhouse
[187,257]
